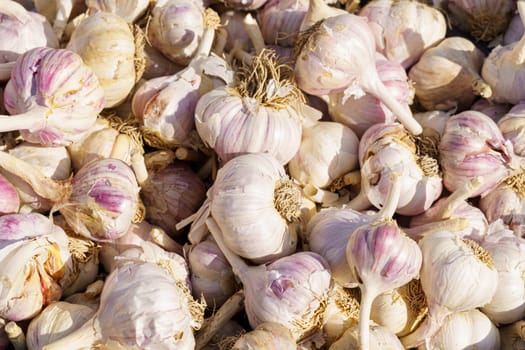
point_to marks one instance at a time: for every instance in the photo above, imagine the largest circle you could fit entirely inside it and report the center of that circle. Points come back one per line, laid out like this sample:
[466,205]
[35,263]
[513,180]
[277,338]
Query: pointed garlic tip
[481,88]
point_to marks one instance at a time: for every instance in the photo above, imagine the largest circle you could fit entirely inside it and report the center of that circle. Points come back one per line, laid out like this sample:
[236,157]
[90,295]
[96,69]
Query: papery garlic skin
[495,111]
[448,75]
[280,20]
[130,11]
[292,291]
[381,338]
[59,84]
[508,252]
[514,30]
[472,146]
[106,44]
[55,321]
[268,335]
[34,257]
[342,312]
[242,203]
[175,28]
[404,29]
[512,126]
[9,199]
[470,329]
[328,150]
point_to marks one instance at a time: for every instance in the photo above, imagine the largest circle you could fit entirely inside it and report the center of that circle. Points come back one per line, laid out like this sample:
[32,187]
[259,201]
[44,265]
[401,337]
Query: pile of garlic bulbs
[263,174]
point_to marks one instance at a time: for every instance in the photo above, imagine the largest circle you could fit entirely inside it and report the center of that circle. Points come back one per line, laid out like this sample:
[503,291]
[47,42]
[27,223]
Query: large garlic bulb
[404,29]
[328,150]
[254,202]
[106,44]
[448,75]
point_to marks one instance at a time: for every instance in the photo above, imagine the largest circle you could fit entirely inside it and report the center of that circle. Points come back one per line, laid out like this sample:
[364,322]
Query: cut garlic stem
[456,198]
[392,198]
[352,178]
[138,164]
[55,191]
[319,195]
[456,224]
[161,238]
[121,147]
[5,70]
[376,88]
[218,320]
[16,335]
[254,32]
[184,153]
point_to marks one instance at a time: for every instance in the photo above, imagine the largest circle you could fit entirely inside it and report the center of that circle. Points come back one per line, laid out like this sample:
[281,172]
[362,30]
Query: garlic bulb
[53,162]
[53,97]
[513,336]
[141,307]
[492,109]
[484,20]
[404,29]
[34,258]
[129,11]
[262,112]
[388,148]
[402,309]
[255,204]
[503,68]
[473,146]
[457,275]
[26,30]
[211,274]
[337,55]
[512,125]
[106,44]
[470,329]
[236,34]
[176,27]
[55,321]
[267,335]
[291,290]
[327,234]
[508,252]
[381,338]
[280,20]
[59,12]
[360,112]
[448,75]
[328,150]
[514,30]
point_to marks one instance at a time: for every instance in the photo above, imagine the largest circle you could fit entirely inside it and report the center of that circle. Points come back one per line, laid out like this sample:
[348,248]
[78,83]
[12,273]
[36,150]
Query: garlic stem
[138,164]
[161,238]
[121,147]
[365,308]
[16,335]
[5,70]
[23,121]
[319,195]
[55,191]
[481,88]
[64,8]
[199,230]
[218,320]
[81,338]
[392,198]
[456,224]
[254,32]
[212,22]
[359,202]
[456,198]
[376,88]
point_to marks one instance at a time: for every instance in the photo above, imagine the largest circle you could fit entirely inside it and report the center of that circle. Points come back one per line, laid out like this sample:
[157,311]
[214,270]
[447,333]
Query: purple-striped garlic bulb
[484,20]
[389,148]
[360,112]
[338,55]
[53,97]
[34,258]
[473,146]
[404,29]
[22,31]
[280,20]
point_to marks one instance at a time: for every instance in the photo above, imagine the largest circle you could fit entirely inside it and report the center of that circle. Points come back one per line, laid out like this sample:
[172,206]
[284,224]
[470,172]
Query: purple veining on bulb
[280,285]
[108,197]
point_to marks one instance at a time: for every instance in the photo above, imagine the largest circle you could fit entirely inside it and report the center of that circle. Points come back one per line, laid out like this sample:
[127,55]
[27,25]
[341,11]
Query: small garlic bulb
[328,150]
[508,252]
[254,203]
[107,45]
[55,321]
[404,29]
[448,75]
[381,338]
[482,19]
[267,336]
[470,329]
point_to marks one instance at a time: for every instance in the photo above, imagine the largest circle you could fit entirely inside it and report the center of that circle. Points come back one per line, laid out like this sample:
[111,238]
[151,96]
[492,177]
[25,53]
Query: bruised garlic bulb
[447,76]
[56,321]
[328,150]
[34,257]
[268,336]
[106,44]
[129,11]
[482,19]
[457,275]
[255,204]
[503,68]
[404,29]
[381,338]
[508,252]
[470,329]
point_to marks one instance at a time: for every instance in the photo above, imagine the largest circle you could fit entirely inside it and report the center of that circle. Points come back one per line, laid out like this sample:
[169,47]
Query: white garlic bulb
[130,11]
[254,203]
[328,150]
[470,329]
[107,45]
[404,29]
[448,75]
